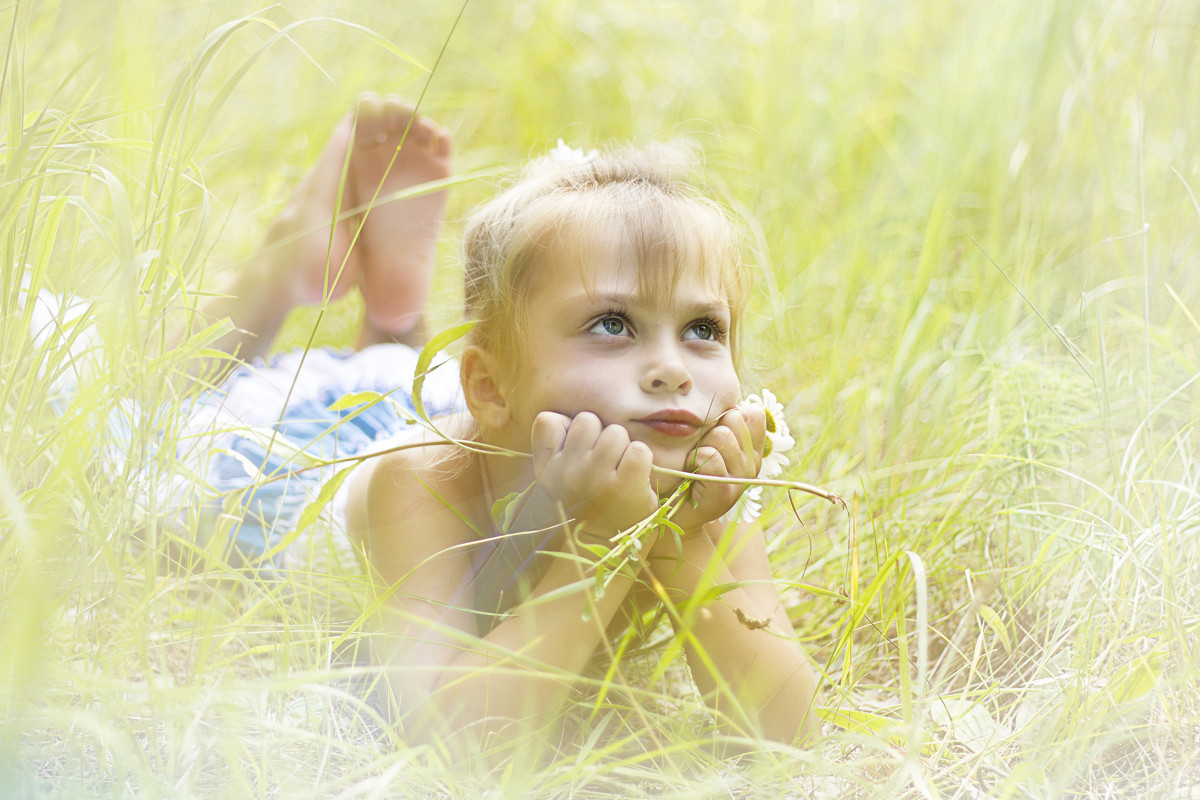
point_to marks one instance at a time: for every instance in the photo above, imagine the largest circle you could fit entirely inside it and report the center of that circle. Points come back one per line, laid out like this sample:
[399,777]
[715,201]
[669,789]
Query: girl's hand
[597,475]
[733,448]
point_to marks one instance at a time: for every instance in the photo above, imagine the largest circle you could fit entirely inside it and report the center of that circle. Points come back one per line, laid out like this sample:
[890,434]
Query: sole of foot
[308,243]
[394,152]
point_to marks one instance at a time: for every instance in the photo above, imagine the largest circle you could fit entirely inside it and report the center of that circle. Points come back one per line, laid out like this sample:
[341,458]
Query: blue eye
[705,330]
[610,325]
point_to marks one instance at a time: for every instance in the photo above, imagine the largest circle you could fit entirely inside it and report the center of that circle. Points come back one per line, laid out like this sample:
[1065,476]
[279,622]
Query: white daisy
[779,437]
[747,508]
[779,441]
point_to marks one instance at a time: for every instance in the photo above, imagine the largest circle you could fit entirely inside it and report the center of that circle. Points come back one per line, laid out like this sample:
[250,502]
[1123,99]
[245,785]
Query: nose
[664,369]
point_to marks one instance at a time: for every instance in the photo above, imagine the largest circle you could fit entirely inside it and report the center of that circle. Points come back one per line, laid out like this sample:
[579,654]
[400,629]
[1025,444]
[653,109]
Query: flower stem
[797,485]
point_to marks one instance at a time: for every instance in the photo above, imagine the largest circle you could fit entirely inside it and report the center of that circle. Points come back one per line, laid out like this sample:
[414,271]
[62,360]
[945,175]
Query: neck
[503,474]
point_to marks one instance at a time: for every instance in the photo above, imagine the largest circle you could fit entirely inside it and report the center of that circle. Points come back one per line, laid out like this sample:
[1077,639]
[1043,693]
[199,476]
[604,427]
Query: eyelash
[719,330]
[612,314]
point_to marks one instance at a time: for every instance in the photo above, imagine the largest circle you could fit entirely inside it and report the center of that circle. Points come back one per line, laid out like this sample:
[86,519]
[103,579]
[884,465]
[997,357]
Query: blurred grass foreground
[977,290]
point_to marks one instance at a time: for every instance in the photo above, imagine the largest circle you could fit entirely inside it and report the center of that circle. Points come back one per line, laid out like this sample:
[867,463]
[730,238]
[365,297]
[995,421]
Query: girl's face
[658,364]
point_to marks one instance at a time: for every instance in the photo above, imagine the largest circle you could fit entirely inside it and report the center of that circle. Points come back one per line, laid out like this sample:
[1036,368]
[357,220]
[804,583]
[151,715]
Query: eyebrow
[633,299]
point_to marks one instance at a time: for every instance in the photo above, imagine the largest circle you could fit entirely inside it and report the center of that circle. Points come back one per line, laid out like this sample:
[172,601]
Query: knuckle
[586,426]
[613,437]
[548,428]
[724,429]
[756,416]
[705,456]
[617,433]
[723,437]
[547,419]
[640,450]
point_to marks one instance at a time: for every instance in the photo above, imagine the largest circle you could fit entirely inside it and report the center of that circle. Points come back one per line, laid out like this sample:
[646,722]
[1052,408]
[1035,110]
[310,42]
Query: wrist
[670,547]
[609,530]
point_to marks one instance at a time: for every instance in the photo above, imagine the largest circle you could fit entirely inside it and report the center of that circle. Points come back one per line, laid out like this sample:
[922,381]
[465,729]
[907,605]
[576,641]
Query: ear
[481,374]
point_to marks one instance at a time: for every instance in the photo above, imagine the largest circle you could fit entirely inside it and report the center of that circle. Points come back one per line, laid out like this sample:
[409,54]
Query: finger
[747,424]
[609,447]
[633,474]
[709,462]
[735,421]
[582,433]
[756,422]
[635,463]
[547,438]
[724,440]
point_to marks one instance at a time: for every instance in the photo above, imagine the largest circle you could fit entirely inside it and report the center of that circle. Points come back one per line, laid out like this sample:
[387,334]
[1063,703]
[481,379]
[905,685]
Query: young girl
[606,294]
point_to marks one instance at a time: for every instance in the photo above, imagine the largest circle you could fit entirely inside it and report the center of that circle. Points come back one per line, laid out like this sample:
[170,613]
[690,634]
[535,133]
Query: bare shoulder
[429,486]
[410,510]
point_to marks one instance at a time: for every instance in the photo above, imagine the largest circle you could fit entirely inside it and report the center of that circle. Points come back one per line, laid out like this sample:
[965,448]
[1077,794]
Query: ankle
[266,289]
[370,333]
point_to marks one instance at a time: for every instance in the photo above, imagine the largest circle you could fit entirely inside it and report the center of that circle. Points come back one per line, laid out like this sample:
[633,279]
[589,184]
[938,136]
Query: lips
[673,422]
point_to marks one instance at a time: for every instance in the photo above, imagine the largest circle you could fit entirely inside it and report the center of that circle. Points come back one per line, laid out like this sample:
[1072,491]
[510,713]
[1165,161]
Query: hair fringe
[655,192]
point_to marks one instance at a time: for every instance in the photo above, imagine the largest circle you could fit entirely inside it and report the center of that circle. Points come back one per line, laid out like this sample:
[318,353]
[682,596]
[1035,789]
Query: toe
[423,131]
[398,111]
[369,106]
[445,141]
[367,119]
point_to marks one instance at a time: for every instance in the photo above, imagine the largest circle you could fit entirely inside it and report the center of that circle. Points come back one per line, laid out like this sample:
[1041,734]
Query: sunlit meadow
[974,230]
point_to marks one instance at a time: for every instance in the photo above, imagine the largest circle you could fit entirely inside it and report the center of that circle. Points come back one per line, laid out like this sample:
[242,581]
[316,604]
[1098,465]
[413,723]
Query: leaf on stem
[425,360]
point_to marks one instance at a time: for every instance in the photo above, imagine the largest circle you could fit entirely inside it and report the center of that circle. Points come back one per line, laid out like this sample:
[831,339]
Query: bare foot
[304,240]
[394,150]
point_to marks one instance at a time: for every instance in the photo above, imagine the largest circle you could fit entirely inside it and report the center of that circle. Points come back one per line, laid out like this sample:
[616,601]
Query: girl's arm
[739,643]
[447,680]
[719,592]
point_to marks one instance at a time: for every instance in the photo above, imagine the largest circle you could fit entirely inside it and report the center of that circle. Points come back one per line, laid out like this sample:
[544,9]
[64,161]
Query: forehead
[611,258]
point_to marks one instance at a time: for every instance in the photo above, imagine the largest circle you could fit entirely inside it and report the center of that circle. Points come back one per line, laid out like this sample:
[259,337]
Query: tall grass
[976,238]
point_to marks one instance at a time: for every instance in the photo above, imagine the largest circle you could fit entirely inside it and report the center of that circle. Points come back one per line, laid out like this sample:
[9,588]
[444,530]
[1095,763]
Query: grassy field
[977,289]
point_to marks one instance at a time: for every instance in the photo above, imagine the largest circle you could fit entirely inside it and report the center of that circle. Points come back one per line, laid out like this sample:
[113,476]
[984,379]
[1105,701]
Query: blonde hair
[649,195]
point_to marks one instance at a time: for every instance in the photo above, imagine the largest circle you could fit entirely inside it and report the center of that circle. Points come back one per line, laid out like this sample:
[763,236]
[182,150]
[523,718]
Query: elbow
[807,733]
[788,716]
[797,726]
[458,721]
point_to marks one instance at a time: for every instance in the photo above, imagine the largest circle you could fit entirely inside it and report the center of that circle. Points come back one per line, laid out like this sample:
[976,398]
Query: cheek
[735,387]
[728,390]
[575,386]
[596,389]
